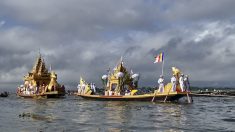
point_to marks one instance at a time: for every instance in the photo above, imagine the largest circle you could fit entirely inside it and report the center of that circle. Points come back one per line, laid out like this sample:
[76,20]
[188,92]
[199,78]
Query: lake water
[75,114]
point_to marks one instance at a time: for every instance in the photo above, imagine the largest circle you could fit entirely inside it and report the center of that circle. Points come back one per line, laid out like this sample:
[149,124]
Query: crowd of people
[183,82]
[29,89]
[111,93]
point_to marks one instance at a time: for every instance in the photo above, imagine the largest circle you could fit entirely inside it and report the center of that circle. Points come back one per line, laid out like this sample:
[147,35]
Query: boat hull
[145,97]
[54,94]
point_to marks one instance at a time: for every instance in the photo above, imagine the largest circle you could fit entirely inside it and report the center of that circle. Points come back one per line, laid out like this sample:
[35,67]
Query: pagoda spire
[37,64]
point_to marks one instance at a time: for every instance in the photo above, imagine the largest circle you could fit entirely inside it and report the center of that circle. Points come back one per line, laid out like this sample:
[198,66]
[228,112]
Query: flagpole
[163,59]
[162,67]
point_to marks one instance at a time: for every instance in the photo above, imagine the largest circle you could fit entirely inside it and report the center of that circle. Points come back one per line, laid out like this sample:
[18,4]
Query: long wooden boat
[121,85]
[173,96]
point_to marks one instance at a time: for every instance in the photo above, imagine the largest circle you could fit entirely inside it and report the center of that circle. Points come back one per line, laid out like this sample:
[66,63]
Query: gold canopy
[118,84]
[39,76]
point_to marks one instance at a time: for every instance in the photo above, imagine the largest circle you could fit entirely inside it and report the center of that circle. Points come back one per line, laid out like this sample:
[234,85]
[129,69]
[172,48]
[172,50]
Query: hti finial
[39,52]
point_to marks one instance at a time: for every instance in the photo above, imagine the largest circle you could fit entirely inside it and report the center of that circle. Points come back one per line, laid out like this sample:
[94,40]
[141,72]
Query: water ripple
[75,114]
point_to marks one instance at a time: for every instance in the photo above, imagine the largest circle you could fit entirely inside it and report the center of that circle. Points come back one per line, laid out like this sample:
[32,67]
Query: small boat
[4,94]
[39,83]
[121,85]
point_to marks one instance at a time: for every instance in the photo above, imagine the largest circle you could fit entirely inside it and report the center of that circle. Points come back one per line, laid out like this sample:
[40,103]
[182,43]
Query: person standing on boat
[79,88]
[181,82]
[83,88]
[94,87]
[173,81]
[186,83]
[161,84]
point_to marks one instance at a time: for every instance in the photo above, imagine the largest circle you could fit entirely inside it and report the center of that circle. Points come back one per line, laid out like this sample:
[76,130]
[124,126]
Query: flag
[159,57]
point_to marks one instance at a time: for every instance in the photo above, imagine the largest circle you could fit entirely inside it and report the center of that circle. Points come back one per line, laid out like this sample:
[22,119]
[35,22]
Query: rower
[93,88]
[186,83]
[181,81]
[173,81]
[79,88]
[187,88]
[83,86]
[161,84]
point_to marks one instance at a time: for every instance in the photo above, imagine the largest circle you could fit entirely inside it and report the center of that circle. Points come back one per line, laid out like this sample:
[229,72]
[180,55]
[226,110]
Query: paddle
[167,95]
[189,101]
[154,95]
[188,94]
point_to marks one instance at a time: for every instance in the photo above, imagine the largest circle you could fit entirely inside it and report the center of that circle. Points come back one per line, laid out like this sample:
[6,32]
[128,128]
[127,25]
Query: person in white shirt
[79,88]
[161,84]
[173,81]
[181,82]
[94,88]
[83,86]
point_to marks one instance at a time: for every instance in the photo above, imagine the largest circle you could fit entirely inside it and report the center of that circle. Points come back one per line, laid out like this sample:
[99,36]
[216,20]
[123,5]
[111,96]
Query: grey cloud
[201,10]
[85,38]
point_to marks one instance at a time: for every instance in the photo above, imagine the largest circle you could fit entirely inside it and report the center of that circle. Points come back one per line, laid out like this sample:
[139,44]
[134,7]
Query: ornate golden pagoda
[41,82]
[120,79]
[39,75]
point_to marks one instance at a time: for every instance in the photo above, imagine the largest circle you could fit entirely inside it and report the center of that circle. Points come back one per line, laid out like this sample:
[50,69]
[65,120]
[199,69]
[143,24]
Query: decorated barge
[41,83]
[121,85]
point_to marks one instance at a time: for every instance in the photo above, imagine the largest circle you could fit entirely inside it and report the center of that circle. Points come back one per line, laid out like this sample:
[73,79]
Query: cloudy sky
[86,37]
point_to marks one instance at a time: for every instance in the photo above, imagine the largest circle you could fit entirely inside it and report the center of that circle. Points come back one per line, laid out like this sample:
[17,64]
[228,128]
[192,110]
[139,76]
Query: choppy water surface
[75,114]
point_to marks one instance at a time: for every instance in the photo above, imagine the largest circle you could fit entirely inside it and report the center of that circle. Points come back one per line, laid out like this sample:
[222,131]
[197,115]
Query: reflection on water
[75,114]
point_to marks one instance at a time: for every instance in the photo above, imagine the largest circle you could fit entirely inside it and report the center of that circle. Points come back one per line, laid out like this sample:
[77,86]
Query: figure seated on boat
[127,92]
[63,88]
[111,93]
[93,88]
[106,93]
[24,90]
[117,93]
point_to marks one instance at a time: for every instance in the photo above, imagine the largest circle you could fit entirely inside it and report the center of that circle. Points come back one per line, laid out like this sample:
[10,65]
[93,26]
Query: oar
[190,95]
[154,96]
[167,95]
[189,101]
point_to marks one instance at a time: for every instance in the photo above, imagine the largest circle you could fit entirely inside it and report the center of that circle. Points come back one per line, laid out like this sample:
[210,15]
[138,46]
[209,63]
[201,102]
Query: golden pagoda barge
[120,85]
[39,83]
